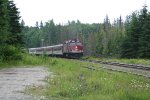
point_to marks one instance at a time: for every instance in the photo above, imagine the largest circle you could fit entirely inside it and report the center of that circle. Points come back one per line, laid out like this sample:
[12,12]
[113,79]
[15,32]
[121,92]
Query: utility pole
[42,42]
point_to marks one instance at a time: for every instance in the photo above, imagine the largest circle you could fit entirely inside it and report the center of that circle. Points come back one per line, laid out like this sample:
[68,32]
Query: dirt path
[14,80]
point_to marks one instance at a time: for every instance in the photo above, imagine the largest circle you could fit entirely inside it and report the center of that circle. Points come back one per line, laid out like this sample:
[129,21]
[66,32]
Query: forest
[129,38]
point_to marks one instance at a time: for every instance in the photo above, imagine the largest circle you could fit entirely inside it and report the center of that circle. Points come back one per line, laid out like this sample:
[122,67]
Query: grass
[72,81]
[27,61]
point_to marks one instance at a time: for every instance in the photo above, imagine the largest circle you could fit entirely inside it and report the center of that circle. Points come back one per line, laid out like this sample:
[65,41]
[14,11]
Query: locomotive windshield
[73,42]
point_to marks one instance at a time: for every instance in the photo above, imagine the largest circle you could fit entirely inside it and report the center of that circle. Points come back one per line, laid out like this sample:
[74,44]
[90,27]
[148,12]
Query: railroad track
[135,66]
[139,70]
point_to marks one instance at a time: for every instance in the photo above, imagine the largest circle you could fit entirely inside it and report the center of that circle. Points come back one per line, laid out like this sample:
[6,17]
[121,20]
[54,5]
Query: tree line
[102,39]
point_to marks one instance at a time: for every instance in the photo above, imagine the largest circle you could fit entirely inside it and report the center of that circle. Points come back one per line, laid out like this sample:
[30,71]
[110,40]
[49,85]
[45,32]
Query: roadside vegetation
[71,80]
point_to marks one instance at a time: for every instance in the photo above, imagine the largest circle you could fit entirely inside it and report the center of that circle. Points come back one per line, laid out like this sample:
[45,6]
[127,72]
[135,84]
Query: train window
[66,42]
[73,43]
[78,43]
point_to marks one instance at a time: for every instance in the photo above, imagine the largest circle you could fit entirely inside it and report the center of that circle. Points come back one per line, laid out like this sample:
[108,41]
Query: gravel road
[13,81]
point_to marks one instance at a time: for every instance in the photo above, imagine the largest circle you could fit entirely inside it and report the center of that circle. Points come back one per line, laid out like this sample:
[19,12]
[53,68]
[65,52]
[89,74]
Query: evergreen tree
[120,23]
[144,40]
[137,42]
[107,24]
[22,23]
[10,31]
[131,42]
[15,37]
[4,21]
[37,24]
[41,24]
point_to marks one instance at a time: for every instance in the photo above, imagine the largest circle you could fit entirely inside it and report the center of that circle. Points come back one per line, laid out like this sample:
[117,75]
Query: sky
[87,11]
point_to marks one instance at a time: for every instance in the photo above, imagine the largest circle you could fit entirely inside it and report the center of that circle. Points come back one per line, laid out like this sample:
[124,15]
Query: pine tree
[107,24]
[41,24]
[144,40]
[22,23]
[4,21]
[37,24]
[137,42]
[120,24]
[15,37]
[131,42]
[9,31]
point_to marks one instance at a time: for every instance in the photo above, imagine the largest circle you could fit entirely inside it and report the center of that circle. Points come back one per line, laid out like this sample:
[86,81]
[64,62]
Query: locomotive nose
[78,47]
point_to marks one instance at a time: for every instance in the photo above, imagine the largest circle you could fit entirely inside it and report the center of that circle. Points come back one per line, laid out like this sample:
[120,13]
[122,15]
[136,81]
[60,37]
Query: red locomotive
[71,48]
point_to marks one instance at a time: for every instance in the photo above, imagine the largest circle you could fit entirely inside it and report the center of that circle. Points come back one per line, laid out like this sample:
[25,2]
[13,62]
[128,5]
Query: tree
[41,24]
[37,24]
[15,38]
[107,24]
[144,39]
[10,30]
[137,41]
[22,23]
[4,21]
[131,42]
[49,33]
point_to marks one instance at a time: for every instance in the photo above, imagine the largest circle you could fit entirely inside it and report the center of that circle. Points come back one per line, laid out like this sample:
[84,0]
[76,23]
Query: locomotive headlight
[76,47]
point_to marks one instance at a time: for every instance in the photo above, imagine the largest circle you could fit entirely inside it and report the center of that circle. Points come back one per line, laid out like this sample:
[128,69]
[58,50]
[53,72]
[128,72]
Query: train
[70,48]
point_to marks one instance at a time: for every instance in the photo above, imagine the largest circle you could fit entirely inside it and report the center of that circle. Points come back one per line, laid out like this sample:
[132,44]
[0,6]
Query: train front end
[73,49]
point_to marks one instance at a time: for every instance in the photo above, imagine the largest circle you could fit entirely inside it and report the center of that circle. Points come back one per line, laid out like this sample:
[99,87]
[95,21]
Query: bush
[9,52]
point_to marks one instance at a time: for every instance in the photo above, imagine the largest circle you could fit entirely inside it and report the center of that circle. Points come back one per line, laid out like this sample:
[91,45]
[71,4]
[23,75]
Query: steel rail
[135,66]
[123,65]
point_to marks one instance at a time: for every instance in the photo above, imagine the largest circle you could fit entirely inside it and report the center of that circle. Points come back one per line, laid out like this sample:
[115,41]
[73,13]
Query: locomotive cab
[73,48]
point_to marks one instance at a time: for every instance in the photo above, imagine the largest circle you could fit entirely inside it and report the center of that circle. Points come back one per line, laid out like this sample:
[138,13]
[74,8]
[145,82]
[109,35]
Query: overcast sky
[87,11]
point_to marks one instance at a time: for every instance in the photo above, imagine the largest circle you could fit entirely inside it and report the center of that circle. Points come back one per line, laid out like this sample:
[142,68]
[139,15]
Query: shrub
[9,52]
